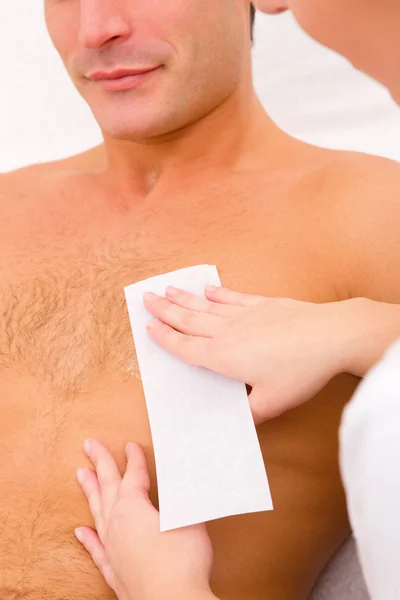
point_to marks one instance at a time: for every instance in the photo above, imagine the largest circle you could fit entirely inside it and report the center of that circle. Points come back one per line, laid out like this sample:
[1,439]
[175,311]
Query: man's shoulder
[11,182]
[326,179]
[18,190]
[340,172]
[34,179]
[363,172]
[18,186]
[26,191]
[365,188]
[354,184]
[361,208]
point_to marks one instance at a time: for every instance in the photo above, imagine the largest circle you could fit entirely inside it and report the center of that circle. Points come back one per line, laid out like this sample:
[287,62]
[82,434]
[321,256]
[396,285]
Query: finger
[225,296]
[136,479]
[192,350]
[92,543]
[108,474]
[181,319]
[90,486]
[262,407]
[192,302]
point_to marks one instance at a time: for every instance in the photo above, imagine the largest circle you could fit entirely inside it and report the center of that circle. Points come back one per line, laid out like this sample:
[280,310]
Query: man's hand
[286,350]
[136,560]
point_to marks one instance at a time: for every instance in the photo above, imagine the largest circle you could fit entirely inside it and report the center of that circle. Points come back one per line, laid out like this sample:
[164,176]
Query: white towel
[370,465]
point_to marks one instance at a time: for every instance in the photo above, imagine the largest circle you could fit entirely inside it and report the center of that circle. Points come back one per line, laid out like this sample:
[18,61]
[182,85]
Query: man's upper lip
[119,73]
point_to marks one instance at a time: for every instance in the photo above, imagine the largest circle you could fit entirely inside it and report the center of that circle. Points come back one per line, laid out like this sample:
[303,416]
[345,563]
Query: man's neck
[232,137]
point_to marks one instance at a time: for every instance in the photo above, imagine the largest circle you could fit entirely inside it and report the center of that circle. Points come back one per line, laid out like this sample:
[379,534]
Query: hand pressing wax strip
[208,458]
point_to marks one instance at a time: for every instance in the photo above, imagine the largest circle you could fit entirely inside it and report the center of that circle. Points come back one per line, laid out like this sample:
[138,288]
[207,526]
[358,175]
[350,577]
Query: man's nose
[101,22]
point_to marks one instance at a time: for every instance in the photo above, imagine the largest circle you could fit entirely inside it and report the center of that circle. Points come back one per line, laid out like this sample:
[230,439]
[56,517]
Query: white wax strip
[208,458]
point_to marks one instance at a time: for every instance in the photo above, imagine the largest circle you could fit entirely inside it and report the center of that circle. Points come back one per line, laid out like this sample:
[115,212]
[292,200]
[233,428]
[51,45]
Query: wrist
[197,595]
[190,595]
[366,329]
[202,595]
[205,596]
[193,593]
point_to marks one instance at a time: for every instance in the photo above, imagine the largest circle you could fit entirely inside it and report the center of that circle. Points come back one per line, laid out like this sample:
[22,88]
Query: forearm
[367,329]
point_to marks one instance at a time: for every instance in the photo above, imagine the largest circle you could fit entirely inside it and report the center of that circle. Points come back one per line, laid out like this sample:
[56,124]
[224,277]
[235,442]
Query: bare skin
[363,31]
[122,511]
[180,180]
[71,239]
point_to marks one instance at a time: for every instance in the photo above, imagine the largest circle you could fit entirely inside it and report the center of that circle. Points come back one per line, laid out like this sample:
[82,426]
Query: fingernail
[80,475]
[172,291]
[150,297]
[87,446]
[78,534]
[127,449]
[210,289]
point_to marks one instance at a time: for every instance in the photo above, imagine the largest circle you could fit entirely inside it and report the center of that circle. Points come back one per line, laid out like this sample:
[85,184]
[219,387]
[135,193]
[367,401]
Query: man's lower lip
[125,83]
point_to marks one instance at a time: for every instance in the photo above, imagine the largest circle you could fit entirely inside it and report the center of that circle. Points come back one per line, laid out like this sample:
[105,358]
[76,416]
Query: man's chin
[132,131]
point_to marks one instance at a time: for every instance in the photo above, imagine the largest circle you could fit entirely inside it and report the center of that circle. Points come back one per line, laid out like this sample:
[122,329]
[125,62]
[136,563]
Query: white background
[308,91]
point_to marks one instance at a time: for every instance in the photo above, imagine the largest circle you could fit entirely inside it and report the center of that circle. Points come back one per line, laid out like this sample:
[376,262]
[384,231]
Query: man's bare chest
[63,315]
[64,320]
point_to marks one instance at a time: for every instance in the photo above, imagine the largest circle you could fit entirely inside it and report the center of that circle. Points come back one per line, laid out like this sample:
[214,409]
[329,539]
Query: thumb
[262,407]
[136,480]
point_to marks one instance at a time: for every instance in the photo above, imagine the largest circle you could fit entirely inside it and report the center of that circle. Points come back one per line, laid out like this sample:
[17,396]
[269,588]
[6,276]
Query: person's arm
[371,328]
[284,349]
[287,350]
[136,560]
